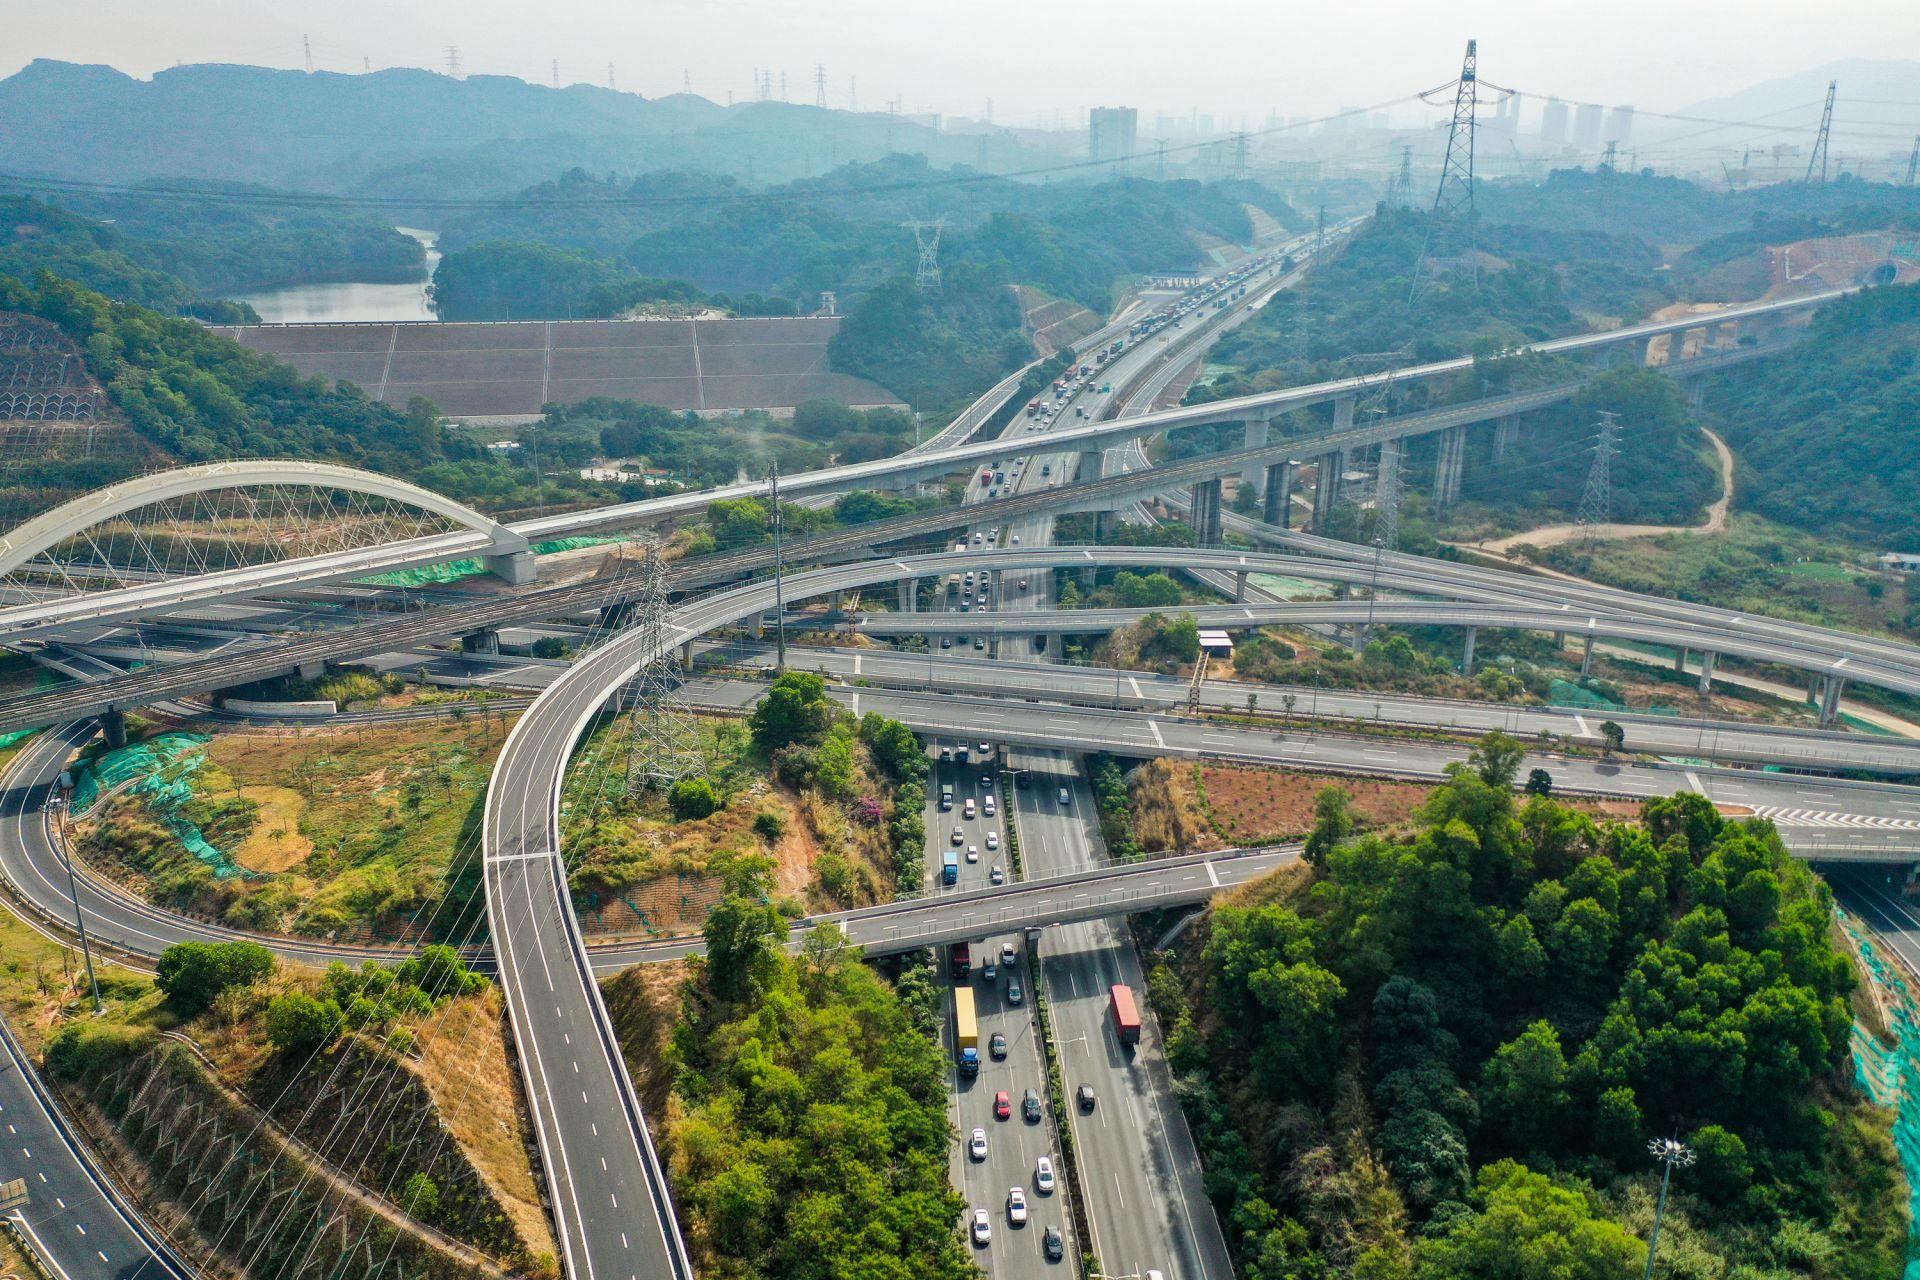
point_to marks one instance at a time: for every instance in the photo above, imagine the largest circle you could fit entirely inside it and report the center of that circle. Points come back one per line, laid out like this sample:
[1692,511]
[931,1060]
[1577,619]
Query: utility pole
[1818,160]
[779,576]
[820,85]
[1668,1152]
[926,237]
[58,807]
[1596,504]
[1453,198]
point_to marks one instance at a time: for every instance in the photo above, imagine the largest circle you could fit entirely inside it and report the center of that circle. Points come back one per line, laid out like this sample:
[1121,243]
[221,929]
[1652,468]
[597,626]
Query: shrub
[692,798]
[298,1023]
[192,974]
[769,825]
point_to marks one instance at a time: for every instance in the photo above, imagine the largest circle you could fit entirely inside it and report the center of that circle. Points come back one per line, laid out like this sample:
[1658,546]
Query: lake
[349,300]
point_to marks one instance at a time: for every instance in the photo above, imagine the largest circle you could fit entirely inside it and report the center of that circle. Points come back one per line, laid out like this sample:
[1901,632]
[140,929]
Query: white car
[993,842]
[1066,796]
[1042,1173]
[986,806]
[977,1147]
[1007,953]
[1016,539]
[996,876]
[1017,1207]
[982,1227]
[973,852]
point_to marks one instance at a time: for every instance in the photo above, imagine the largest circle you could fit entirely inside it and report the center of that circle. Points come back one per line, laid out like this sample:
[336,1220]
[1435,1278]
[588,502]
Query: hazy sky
[1032,57]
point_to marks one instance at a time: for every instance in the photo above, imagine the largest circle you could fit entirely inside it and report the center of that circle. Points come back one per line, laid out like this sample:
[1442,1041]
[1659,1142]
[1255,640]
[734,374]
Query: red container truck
[1126,1016]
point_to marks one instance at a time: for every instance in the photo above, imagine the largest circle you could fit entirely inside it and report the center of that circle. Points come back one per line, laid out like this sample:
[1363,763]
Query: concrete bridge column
[1205,512]
[1696,393]
[515,569]
[758,627]
[1603,356]
[1256,435]
[1506,434]
[1680,659]
[1240,587]
[113,726]
[909,601]
[1706,673]
[686,656]
[1104,523]
[1446,475]
[1277,498]
[1647,357]
[1830,700]
[838,602]
[1092,464]
[312,670]
[1343,412]
[1677,346]
[1326,489]
[1586,657]
[1466,658]
[485,640]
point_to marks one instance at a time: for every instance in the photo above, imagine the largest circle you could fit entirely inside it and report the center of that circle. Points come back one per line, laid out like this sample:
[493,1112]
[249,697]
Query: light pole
[779,578]
[56,809]
[1669,1152]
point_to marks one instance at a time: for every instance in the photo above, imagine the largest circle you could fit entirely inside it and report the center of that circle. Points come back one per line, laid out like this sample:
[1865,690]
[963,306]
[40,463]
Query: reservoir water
[348,300]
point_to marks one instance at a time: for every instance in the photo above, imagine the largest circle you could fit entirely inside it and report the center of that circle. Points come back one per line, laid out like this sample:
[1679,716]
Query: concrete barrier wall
[317,710]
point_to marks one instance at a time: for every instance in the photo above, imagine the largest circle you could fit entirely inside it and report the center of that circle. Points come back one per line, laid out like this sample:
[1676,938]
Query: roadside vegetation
[1441,1054]
[833,803]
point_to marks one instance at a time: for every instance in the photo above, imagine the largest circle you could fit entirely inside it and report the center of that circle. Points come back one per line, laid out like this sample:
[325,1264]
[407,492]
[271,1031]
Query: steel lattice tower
[1386,496]
[1818,160]
[1453,198]
[1913,162]
[926,237]
[660,738]
[1596,504]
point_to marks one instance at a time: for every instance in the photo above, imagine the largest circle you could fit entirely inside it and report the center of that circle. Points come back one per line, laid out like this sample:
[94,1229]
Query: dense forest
[1441,1055]
[1827,435]
[585,246]
[36,237]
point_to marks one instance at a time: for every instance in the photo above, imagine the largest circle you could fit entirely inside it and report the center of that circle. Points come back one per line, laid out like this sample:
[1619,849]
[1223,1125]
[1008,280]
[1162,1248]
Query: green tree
[1722,1170]
[1539,783]
[1523,1089]
[421,1197]
[896,749]
[795,709]
[193,973]
[1497,759]
[743,931]
[1612,737]
[1332,822]
[296,1023]
[1524,1226]
[692,798]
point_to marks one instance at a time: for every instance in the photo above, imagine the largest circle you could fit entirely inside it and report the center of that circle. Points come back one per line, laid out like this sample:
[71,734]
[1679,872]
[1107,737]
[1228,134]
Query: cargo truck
[966,1031]
[1126,1017]
[960,961]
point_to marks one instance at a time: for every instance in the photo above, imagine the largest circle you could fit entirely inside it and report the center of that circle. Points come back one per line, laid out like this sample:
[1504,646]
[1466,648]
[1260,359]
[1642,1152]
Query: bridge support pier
[312,670]
[1677,346]
[757,628]
[1104,523]
[1466,656]
[1343,412]
[1092,465]
[1240,587]
[1276,499]
[1706,673]
[1205,511]
[485,640]
[909,601]
[1830,700]
[1506,434]
[1256,435]
[515,568]
[1326,489]
[113,727]
[686,656]
[838,602]
[1446,472]
[1680,659]
[1696,393]
[1586,657]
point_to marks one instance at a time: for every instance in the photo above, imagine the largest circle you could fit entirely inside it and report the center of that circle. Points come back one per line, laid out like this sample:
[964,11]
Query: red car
[1002,1105]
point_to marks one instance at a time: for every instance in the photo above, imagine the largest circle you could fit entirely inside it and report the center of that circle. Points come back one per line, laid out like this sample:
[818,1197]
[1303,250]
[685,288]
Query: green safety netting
[8,739]
[1890,1075]
[453,570]
[160,771]
[1289,588]
[1565,693]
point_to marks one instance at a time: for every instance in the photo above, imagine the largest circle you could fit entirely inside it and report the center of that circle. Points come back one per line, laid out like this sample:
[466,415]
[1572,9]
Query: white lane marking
[1212,875]
[1155,726]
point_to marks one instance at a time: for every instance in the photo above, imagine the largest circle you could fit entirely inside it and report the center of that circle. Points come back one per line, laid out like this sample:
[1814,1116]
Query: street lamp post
[56,809]
[1669,1152]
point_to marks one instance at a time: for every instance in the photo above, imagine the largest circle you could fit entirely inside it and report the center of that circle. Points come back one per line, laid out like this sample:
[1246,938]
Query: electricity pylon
[1596,504]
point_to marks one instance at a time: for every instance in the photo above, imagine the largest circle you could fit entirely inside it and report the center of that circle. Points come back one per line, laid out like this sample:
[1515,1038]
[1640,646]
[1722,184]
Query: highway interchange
[1144,1205]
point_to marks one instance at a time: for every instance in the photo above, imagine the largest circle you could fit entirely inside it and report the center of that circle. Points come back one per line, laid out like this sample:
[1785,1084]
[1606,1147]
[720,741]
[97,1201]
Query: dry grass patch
[464,1064]
[275,843]
[1167,811]
[1251,805]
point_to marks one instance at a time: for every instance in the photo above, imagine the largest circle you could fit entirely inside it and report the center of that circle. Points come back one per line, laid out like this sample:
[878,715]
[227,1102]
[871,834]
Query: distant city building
[1586,126]
[1620,125]
[1553,122]
[1111,132]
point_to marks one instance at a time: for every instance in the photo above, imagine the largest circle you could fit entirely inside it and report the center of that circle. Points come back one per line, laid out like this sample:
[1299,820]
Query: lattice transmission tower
[1451,218]
[1817,162]
[1387,492]
[660,738]
[1913,162]
[926,238]
[1596,503]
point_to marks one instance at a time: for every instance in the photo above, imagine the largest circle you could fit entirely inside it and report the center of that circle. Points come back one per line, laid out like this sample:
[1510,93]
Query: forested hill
[1827,434]
[409,132]
[214,239]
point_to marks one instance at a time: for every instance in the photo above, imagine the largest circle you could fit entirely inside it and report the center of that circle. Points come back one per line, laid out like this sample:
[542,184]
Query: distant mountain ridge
[406,132]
